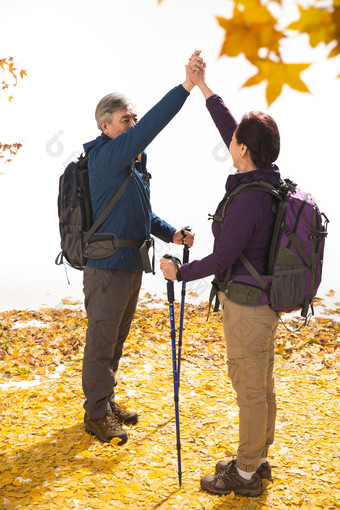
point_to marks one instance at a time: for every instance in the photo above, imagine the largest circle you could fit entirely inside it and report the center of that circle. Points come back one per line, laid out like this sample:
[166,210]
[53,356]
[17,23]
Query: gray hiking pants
[110,300]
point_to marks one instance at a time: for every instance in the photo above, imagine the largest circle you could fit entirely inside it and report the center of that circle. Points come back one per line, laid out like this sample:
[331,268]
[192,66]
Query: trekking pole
[171,299]
[180,331]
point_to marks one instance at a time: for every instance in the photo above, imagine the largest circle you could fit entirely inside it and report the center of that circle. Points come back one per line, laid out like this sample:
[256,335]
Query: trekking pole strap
[177,263]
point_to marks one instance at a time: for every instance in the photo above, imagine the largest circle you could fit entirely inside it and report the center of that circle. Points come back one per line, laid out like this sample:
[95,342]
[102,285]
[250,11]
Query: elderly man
[112,284]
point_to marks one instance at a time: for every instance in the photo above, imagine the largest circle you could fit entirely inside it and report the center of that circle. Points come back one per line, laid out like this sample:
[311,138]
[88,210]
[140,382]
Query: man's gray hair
[109,104]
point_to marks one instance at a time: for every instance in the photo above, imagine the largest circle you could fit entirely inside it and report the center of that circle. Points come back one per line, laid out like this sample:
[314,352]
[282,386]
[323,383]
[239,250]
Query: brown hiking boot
[229,480]
[264,470]
[105,428]
[122,415]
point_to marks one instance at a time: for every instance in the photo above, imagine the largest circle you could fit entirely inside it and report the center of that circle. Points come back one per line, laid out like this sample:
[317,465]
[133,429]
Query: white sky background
[75,52]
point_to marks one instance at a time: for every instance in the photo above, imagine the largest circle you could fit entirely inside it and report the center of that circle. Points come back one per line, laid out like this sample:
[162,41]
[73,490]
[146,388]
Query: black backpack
[296,252]
[79,240]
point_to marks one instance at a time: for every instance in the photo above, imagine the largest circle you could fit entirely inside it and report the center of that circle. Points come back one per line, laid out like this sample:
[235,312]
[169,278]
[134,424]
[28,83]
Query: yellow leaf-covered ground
[48,461]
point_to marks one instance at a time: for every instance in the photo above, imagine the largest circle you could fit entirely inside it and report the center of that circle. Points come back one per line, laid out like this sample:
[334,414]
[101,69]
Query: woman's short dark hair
[259,132]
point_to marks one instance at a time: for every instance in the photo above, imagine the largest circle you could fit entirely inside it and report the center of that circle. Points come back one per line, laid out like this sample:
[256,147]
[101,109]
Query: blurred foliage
[255,31]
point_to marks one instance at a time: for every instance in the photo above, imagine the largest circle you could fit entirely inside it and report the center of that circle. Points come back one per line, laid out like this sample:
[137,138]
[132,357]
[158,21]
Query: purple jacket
[249,218]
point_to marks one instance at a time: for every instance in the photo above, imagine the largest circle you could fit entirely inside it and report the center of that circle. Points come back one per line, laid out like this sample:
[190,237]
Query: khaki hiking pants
[250,332]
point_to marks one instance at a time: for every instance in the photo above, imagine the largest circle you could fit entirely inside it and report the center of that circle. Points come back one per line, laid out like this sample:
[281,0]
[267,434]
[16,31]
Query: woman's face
[235,150]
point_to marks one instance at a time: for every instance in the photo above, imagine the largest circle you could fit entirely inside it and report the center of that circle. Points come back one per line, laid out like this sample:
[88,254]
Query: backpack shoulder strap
[255,185]
[112,203]
[276,193]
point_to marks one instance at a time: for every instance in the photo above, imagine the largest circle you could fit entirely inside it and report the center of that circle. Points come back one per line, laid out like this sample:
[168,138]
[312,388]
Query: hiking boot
[264,470]
[229,480]
[105,428]
[122,415]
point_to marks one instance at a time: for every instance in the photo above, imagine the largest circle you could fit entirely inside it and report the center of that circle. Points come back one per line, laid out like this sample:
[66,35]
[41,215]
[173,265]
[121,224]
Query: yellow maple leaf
[251,28]
[336,21]
[23,73]
[10,98]
[11,68]
[277,74]
[317,22]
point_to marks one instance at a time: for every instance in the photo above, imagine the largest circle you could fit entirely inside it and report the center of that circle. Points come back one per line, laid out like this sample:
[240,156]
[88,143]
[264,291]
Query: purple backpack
[295,257]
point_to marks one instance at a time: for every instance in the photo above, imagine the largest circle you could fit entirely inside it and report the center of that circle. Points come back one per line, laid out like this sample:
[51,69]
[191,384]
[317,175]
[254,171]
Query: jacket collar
[269,174]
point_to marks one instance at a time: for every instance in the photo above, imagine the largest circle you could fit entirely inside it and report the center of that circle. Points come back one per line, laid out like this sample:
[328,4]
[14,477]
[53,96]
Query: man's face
[121,121]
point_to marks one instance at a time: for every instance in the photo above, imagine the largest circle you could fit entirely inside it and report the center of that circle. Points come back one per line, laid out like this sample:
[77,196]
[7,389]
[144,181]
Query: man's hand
[188,83]
[196,68]
[187,238]
[169,269]
[196,72]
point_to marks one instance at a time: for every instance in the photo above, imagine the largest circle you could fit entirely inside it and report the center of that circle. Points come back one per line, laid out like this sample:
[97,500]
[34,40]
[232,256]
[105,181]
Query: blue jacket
[109,163]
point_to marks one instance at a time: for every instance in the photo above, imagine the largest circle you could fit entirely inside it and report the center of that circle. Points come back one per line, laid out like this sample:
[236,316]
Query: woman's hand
[188,84]
[196,68]
[169,269]
[196,73]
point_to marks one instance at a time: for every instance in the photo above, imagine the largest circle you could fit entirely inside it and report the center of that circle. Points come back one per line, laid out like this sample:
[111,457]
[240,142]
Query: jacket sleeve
[161,229]
[240,224]
[121,150]
[224,121]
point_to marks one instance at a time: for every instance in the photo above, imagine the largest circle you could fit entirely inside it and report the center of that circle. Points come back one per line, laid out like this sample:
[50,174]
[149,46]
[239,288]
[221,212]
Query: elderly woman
[249,329]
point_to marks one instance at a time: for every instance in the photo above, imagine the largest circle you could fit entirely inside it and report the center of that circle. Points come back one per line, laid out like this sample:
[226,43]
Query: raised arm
[224,121]
[125,147]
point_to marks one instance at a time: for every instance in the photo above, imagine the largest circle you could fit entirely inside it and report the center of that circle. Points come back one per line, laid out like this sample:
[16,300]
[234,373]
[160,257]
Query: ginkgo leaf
[23,73]
[48,461]
[278,74]
[10,98]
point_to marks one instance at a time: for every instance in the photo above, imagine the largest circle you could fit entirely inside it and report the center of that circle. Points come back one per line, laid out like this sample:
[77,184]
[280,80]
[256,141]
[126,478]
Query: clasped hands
[195,71]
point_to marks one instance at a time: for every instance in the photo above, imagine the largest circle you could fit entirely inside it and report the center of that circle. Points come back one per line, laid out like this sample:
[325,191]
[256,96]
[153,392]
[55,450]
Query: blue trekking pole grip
[180,332]
[171,299]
